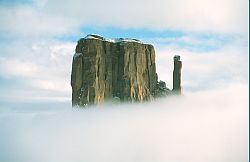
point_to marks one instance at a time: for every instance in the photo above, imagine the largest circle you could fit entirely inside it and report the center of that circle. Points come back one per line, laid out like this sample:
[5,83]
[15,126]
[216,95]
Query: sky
[38,38]
[37,43]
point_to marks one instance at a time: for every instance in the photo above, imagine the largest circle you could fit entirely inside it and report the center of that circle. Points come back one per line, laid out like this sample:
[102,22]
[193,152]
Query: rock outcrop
[177,75]
[118,70]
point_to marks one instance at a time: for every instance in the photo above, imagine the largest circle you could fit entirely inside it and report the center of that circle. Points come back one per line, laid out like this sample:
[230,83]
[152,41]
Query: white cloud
[16,67]
[57,17]
[209,69]
[45,67]
[205,126]
[40,70]
[45,63]
[223,16]
[29,21]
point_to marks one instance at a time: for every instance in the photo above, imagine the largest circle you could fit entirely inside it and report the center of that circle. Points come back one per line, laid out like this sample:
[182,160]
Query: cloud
[209,123]
[40,70]
[55,17]
[196,16]
[205,69]
[34,57]
[205,126]
[16,67]
[29,21]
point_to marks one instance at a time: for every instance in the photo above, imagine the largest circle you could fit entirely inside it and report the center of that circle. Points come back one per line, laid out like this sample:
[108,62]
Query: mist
[207,126]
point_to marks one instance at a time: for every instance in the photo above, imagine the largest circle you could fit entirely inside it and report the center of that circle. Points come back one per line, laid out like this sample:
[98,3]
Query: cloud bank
[205,126]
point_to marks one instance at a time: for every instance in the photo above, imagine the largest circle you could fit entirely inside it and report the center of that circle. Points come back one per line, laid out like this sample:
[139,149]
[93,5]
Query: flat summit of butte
[120,70]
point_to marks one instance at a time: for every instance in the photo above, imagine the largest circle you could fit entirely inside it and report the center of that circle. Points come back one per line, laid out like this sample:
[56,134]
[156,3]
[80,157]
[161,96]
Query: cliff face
[118,69]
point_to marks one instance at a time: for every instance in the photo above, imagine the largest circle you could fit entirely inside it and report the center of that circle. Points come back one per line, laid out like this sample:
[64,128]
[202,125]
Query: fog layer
[208,126]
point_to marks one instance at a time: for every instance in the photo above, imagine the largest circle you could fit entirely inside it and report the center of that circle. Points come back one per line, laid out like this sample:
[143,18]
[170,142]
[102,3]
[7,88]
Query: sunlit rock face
[114,70]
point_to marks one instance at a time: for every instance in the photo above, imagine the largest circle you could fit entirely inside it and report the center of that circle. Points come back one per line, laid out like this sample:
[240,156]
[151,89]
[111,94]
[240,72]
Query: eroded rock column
[177,75]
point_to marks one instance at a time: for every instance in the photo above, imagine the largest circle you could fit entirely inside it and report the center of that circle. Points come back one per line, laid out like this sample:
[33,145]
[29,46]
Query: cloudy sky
[37,42]
[38,38]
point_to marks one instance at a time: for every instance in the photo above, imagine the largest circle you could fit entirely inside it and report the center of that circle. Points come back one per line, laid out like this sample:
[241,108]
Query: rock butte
[117,70]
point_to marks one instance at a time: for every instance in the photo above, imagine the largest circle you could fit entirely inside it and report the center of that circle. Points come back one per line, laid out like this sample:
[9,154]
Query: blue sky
[157,37]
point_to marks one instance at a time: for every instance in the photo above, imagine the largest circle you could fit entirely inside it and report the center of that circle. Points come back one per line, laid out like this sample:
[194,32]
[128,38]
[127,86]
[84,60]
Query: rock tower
[177,75]
[118,69]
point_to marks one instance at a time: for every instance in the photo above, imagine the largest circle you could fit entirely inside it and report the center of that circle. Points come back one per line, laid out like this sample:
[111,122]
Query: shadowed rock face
[117,70]
[177,75]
